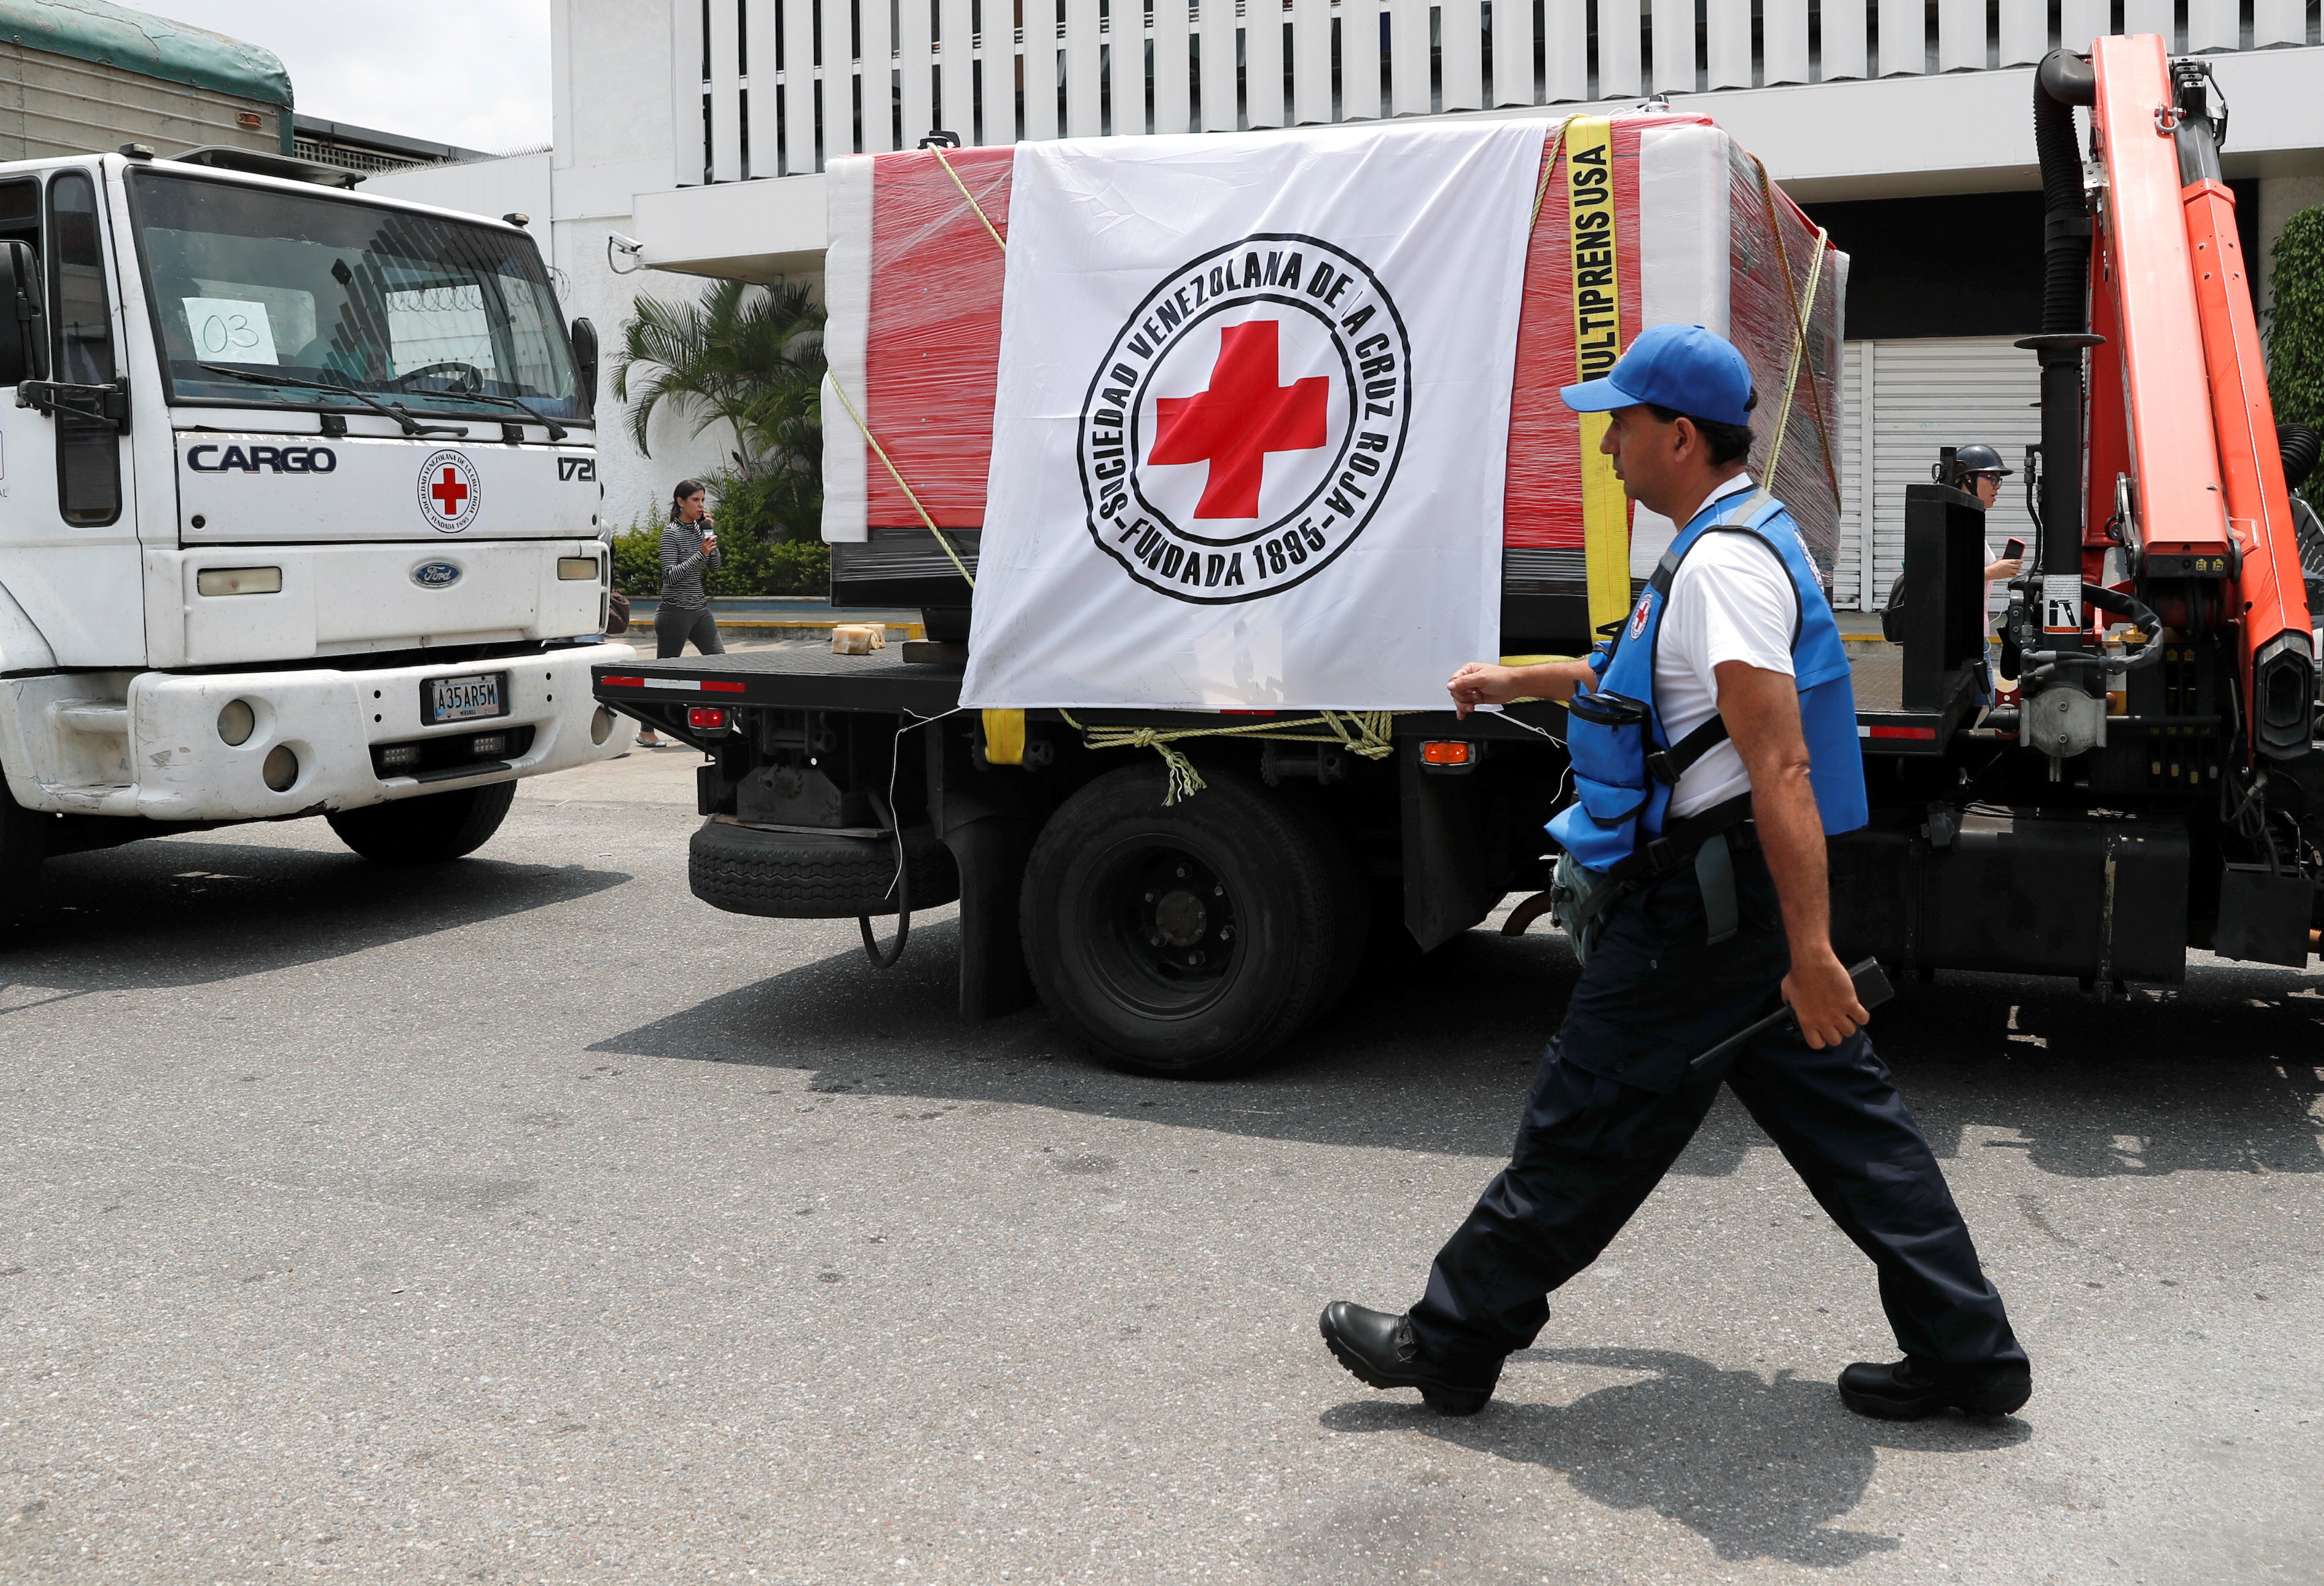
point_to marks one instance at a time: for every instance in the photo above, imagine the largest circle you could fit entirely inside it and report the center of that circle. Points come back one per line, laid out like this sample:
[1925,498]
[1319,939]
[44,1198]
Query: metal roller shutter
[1905,399]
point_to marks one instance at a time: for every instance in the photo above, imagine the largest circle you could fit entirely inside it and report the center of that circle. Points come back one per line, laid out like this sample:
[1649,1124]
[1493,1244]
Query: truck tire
[1185,940]
[23,845]
[813,875]
[427,830]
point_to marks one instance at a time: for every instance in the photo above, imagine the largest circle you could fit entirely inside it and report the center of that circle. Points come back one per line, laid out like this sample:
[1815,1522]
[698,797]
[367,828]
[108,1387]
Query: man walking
[1713,750]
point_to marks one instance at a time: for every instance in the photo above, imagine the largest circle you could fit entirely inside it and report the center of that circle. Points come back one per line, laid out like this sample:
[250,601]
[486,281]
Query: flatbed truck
[2153,782]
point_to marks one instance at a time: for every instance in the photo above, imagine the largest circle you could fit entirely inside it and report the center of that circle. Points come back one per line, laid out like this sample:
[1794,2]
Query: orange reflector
[705,715]
[1446,751]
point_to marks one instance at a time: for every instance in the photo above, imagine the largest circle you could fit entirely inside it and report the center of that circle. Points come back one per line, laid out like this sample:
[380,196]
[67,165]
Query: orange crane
[2185,502]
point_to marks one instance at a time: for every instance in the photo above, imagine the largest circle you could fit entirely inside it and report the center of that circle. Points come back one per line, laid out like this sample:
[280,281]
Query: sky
[470,72]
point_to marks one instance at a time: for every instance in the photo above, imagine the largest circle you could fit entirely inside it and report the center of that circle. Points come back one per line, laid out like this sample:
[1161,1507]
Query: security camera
[628,244]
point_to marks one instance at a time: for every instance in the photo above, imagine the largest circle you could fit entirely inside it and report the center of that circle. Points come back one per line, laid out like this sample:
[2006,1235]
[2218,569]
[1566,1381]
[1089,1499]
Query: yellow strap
[1004,737]
[881,452]
[1591,235]
[937,150]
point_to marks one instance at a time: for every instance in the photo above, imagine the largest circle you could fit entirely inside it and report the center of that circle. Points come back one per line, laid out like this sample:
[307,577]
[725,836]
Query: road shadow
[174,912]
[1436,1056]
[1758,1467]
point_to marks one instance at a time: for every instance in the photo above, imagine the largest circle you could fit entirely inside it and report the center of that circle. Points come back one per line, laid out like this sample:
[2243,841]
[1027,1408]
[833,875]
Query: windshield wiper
[556,431]
[396,411]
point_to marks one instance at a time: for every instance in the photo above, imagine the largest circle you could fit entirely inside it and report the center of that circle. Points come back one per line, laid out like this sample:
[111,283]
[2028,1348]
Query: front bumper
[155,750]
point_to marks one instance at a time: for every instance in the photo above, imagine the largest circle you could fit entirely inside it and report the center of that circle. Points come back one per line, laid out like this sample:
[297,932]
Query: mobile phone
[2014,549]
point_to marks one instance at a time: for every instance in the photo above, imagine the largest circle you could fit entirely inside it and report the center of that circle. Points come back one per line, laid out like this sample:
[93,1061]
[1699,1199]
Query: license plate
[463,699]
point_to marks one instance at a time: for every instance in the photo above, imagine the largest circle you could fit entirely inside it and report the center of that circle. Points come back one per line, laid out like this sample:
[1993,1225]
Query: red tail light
[706,717]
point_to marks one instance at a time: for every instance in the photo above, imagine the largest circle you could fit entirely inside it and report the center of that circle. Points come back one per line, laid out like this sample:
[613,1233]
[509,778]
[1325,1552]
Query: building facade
[697,130]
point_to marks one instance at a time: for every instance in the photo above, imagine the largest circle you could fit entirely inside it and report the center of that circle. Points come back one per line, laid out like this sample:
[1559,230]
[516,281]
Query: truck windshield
[423,309]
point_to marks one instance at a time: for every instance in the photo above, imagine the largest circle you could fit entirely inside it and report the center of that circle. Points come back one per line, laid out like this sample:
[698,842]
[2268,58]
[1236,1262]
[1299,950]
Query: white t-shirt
[1732,601]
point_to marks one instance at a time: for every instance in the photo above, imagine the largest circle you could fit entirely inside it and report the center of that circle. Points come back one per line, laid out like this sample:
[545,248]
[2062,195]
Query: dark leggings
[675,625]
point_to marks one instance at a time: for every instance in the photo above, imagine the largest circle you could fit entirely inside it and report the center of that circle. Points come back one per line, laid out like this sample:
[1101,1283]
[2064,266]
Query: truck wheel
[23,845]
[1188,939]
[812,875]
[427,830]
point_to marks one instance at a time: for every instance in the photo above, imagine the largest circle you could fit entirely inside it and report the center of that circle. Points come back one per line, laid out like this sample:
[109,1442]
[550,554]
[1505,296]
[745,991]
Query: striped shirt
[683,564]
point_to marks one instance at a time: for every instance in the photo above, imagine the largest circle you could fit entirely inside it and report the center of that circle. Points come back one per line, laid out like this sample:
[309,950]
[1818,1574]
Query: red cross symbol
[1243,416]
[449,493]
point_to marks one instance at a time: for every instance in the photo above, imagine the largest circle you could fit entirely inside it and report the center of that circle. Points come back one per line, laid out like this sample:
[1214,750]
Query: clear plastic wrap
[934,351]
[1766,284]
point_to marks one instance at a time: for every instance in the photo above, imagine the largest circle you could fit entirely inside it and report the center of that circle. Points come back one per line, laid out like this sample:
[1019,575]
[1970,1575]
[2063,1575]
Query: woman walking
[689,550]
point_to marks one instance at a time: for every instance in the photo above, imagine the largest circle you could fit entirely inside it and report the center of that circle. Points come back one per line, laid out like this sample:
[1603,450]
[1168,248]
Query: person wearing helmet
[1978,469]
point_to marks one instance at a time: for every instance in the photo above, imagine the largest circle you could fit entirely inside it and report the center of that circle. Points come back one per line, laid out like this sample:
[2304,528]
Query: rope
[1364,732]
[1799,331]
[881,452]
[1792,377]
[937,150]
[1550,149]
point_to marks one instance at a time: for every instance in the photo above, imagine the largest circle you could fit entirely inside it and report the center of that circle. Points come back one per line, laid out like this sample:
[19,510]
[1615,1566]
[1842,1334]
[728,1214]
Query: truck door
[69,552]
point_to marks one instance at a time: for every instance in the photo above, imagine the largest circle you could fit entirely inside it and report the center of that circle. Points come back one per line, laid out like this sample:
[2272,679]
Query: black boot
[1911,1390]
[1379,1349]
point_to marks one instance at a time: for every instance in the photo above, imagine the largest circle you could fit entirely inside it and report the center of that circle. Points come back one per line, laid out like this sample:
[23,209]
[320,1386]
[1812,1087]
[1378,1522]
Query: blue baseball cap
[1684,368]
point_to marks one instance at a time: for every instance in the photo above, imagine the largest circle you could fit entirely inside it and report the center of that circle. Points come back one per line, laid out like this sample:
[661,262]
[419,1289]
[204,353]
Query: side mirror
[585,353]
[22,346]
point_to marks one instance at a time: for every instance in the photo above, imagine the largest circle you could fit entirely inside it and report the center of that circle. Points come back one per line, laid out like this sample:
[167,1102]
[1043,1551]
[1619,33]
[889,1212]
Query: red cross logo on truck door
[1242,416]
[450,491]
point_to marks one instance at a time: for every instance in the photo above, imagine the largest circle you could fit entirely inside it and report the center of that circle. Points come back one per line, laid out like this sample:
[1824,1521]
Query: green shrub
[637,560]
[2295,327]
[752,565]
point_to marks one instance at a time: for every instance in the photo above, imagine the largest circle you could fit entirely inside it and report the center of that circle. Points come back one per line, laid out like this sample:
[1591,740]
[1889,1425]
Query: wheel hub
[1182,917]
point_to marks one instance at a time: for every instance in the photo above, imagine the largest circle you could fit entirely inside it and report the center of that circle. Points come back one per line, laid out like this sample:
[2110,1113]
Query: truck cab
[299,512]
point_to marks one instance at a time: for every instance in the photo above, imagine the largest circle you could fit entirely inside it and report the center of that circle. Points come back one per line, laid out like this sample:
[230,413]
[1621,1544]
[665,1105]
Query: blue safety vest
[1624,765]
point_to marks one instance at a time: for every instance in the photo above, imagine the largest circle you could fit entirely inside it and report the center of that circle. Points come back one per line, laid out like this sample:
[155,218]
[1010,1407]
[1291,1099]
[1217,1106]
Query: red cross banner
[1251,428]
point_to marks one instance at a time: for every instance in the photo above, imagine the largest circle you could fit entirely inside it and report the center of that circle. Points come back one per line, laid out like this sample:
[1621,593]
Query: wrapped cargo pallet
[1637,220]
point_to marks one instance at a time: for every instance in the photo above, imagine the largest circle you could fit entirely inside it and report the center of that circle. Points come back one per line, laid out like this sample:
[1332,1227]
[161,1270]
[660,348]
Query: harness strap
[1666,765]
[1714,873]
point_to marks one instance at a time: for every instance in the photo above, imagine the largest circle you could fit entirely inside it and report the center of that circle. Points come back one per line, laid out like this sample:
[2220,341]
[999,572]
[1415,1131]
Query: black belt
[1685,836]
[1706,840]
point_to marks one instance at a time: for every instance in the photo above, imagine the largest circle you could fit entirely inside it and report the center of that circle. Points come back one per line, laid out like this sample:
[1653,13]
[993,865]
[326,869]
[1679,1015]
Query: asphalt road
[527,1221]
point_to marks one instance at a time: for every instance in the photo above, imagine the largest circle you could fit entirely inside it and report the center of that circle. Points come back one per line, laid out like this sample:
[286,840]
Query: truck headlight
[573,569]
[236,722]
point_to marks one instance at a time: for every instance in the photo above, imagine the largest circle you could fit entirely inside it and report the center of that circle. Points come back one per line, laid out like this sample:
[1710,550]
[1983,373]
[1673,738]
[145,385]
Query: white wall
[518,184]
[610,73]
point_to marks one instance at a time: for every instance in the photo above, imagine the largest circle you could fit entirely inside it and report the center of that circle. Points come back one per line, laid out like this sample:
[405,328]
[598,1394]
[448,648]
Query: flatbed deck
[811,677]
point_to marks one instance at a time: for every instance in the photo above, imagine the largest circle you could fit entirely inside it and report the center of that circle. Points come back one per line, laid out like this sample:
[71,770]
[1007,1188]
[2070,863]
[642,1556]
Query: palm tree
[746,355]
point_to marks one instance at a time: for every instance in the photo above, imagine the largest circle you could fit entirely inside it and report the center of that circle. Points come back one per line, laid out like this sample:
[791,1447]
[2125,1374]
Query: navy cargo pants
[1614,1103]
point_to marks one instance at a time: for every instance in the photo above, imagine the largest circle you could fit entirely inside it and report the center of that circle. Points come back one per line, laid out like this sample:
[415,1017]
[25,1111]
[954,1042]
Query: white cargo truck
[298,513]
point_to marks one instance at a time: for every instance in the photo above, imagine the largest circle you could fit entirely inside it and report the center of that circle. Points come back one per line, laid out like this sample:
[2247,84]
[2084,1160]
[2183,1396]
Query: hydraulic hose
[2064,80]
